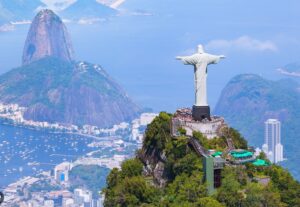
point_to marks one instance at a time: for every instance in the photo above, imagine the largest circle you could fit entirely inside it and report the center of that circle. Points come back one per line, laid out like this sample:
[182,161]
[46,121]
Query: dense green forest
[89,176]
[182,183]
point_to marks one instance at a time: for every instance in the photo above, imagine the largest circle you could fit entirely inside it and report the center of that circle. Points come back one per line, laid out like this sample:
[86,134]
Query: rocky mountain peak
[47,37]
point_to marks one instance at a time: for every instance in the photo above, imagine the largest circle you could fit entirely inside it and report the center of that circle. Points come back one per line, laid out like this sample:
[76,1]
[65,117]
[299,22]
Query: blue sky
[138,48]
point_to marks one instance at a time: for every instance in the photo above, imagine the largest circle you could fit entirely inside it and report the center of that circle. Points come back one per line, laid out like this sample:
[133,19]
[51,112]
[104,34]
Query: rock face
[154,165]
[55,89]
[249,100]
[47,37]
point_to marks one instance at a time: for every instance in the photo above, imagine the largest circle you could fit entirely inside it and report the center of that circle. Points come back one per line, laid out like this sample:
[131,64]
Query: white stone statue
[200,61]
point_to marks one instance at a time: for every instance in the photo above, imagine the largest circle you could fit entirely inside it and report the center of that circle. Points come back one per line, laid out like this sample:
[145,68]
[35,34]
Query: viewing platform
[183,119]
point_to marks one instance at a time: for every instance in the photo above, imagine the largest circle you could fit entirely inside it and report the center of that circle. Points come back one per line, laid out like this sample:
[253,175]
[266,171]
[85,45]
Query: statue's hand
[222,56]
[179,58]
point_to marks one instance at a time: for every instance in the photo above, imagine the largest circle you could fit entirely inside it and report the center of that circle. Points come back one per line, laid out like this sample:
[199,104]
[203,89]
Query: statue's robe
[200,61]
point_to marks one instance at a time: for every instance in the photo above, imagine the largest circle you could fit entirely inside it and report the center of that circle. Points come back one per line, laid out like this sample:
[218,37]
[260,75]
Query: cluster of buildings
[13,113]
[20,192]
[114,161]
[58,180]
[62,170]
[116,151]
[139,125]
[63,198]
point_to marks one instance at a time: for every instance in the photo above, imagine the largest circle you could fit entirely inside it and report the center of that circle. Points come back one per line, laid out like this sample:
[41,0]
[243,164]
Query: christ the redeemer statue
[200,61]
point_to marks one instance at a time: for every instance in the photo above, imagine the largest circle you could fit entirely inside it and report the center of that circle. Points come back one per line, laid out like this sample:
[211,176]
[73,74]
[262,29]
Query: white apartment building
[272,145]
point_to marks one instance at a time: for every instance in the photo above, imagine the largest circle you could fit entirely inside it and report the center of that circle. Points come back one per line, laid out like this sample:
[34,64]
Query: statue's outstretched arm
[180,57]
[187,60]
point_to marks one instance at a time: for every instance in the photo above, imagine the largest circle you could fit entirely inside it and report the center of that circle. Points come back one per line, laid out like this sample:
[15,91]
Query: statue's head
[200,49]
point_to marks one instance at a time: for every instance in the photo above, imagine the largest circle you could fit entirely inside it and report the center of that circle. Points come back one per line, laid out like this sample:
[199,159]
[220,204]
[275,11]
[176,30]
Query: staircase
[200,150]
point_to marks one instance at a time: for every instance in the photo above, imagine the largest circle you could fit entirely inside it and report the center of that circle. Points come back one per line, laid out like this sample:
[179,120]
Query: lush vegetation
[183,170]
[89,176]
[48,73]
[52,75]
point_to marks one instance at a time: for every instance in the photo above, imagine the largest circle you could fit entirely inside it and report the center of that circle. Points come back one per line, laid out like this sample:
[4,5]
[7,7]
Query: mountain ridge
[55,88]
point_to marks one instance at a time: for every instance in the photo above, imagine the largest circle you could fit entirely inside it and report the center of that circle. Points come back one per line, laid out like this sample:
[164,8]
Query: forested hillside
[168,172]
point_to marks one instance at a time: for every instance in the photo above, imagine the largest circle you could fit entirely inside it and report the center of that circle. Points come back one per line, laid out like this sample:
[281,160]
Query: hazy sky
[138,48]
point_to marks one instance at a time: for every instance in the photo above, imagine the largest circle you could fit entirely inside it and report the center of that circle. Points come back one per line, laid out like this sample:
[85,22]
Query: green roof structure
[217,154]
[241,154]
[260,162]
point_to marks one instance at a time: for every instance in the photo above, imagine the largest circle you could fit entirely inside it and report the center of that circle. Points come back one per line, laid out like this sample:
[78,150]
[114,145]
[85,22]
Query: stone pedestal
[201,112]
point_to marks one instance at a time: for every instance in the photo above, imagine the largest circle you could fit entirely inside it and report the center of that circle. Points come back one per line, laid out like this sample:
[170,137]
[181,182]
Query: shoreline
[5,122]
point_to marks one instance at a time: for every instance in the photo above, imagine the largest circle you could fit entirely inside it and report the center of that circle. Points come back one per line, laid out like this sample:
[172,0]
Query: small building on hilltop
[183,119]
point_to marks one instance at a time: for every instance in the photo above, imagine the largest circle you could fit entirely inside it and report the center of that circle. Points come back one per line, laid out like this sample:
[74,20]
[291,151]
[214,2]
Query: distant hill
[76,93]
[56,88]
[87,9]
[249,100]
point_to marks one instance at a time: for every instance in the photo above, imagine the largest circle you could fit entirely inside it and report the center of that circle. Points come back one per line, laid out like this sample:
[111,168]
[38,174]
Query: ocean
[21,149]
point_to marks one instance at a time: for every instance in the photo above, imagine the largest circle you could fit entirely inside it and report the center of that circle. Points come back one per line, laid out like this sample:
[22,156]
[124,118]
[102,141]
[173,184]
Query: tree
[238,140]
[131,167]
[230,192]
[288,187]
[254,195]
[135,191]
[113,178]
[187,188]
[208,202]
[271,197]
[187,164]
[158,132]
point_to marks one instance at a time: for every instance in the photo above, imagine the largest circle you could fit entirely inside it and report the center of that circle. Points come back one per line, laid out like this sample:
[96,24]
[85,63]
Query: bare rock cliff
[47,37]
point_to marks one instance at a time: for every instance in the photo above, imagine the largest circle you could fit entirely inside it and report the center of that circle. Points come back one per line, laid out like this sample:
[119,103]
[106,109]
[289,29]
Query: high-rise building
[61,171]
[83,197]
[272,146]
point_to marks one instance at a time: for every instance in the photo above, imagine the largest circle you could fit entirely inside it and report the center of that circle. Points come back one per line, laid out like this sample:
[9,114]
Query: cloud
[285,72]
[89,21]
[243,43]
[7,28]
[58,5]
